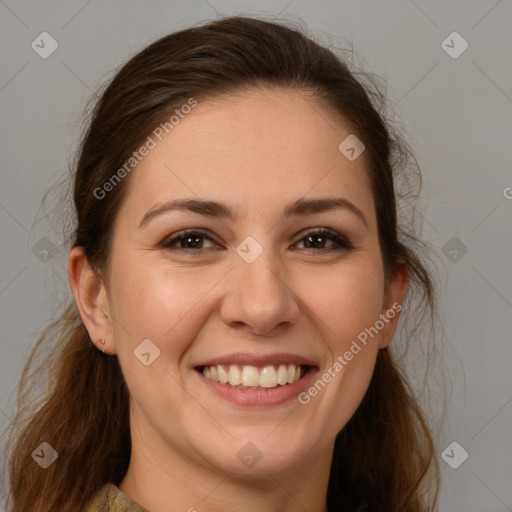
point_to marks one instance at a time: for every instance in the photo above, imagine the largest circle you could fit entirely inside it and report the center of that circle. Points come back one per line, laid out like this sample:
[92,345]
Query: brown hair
[384,458]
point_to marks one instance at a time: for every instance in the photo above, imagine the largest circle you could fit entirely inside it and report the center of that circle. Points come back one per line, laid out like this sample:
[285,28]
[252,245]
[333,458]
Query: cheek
[345,302]
[151,301]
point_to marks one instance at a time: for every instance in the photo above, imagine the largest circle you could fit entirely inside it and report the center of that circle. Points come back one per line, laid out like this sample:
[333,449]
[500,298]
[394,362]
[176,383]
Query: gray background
[457,112]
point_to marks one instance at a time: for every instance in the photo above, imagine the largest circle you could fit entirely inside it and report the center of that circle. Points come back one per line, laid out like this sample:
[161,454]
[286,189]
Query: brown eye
[317,240]
[188,240]
[191,242]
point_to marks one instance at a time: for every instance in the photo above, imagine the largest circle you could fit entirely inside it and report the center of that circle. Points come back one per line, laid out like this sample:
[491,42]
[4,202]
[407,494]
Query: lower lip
[262,398]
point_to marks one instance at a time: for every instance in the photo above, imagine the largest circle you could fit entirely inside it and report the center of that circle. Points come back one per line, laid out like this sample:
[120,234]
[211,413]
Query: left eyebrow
[207,208]
[311,206]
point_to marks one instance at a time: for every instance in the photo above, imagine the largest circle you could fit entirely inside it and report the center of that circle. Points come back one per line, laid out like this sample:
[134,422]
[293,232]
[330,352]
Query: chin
[258,453]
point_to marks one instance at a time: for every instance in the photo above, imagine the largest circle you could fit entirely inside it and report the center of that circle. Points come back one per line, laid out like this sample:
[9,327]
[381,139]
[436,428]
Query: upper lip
[246,359]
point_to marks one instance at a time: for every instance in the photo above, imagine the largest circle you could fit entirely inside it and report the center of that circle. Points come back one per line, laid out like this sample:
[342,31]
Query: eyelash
[326,233]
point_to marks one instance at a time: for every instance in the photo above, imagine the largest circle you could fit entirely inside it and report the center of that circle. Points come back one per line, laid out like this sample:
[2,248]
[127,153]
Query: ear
[394,295]
[91,299]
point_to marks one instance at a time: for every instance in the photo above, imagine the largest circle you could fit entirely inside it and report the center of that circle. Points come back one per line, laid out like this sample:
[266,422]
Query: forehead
[254,149]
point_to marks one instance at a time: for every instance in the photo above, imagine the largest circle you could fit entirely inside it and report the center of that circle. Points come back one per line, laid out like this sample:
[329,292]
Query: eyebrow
[301,207]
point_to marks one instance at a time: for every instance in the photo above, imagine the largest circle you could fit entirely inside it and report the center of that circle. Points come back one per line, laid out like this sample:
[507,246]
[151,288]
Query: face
[271,287]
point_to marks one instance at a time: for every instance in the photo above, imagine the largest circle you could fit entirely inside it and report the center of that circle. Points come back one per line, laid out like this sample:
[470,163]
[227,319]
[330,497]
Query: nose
[257,298]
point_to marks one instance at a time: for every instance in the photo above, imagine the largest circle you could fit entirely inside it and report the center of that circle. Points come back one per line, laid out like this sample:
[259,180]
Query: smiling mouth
[254,377]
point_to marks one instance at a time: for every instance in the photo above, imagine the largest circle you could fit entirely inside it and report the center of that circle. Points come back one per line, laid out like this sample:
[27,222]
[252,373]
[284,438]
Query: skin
[256,151]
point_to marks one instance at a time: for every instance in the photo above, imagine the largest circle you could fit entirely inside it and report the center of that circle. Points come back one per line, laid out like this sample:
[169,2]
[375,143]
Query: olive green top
[111,499]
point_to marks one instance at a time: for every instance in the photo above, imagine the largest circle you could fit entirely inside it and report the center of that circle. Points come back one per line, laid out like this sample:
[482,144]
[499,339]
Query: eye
[189,239]
[316,240]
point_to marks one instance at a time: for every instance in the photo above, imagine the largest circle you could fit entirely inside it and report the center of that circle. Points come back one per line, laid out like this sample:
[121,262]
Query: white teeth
[252,377]
[235,375]
[268,377]
[282,375]
[223,376]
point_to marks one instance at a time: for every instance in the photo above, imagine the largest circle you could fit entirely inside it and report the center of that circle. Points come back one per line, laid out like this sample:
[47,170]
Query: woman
[238,274]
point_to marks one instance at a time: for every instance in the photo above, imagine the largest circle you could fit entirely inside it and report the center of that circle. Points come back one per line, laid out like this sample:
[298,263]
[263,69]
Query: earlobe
[393,300]
[91,299]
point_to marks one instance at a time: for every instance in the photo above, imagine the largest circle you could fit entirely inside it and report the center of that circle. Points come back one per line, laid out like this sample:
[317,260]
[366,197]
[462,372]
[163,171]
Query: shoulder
[111,499]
